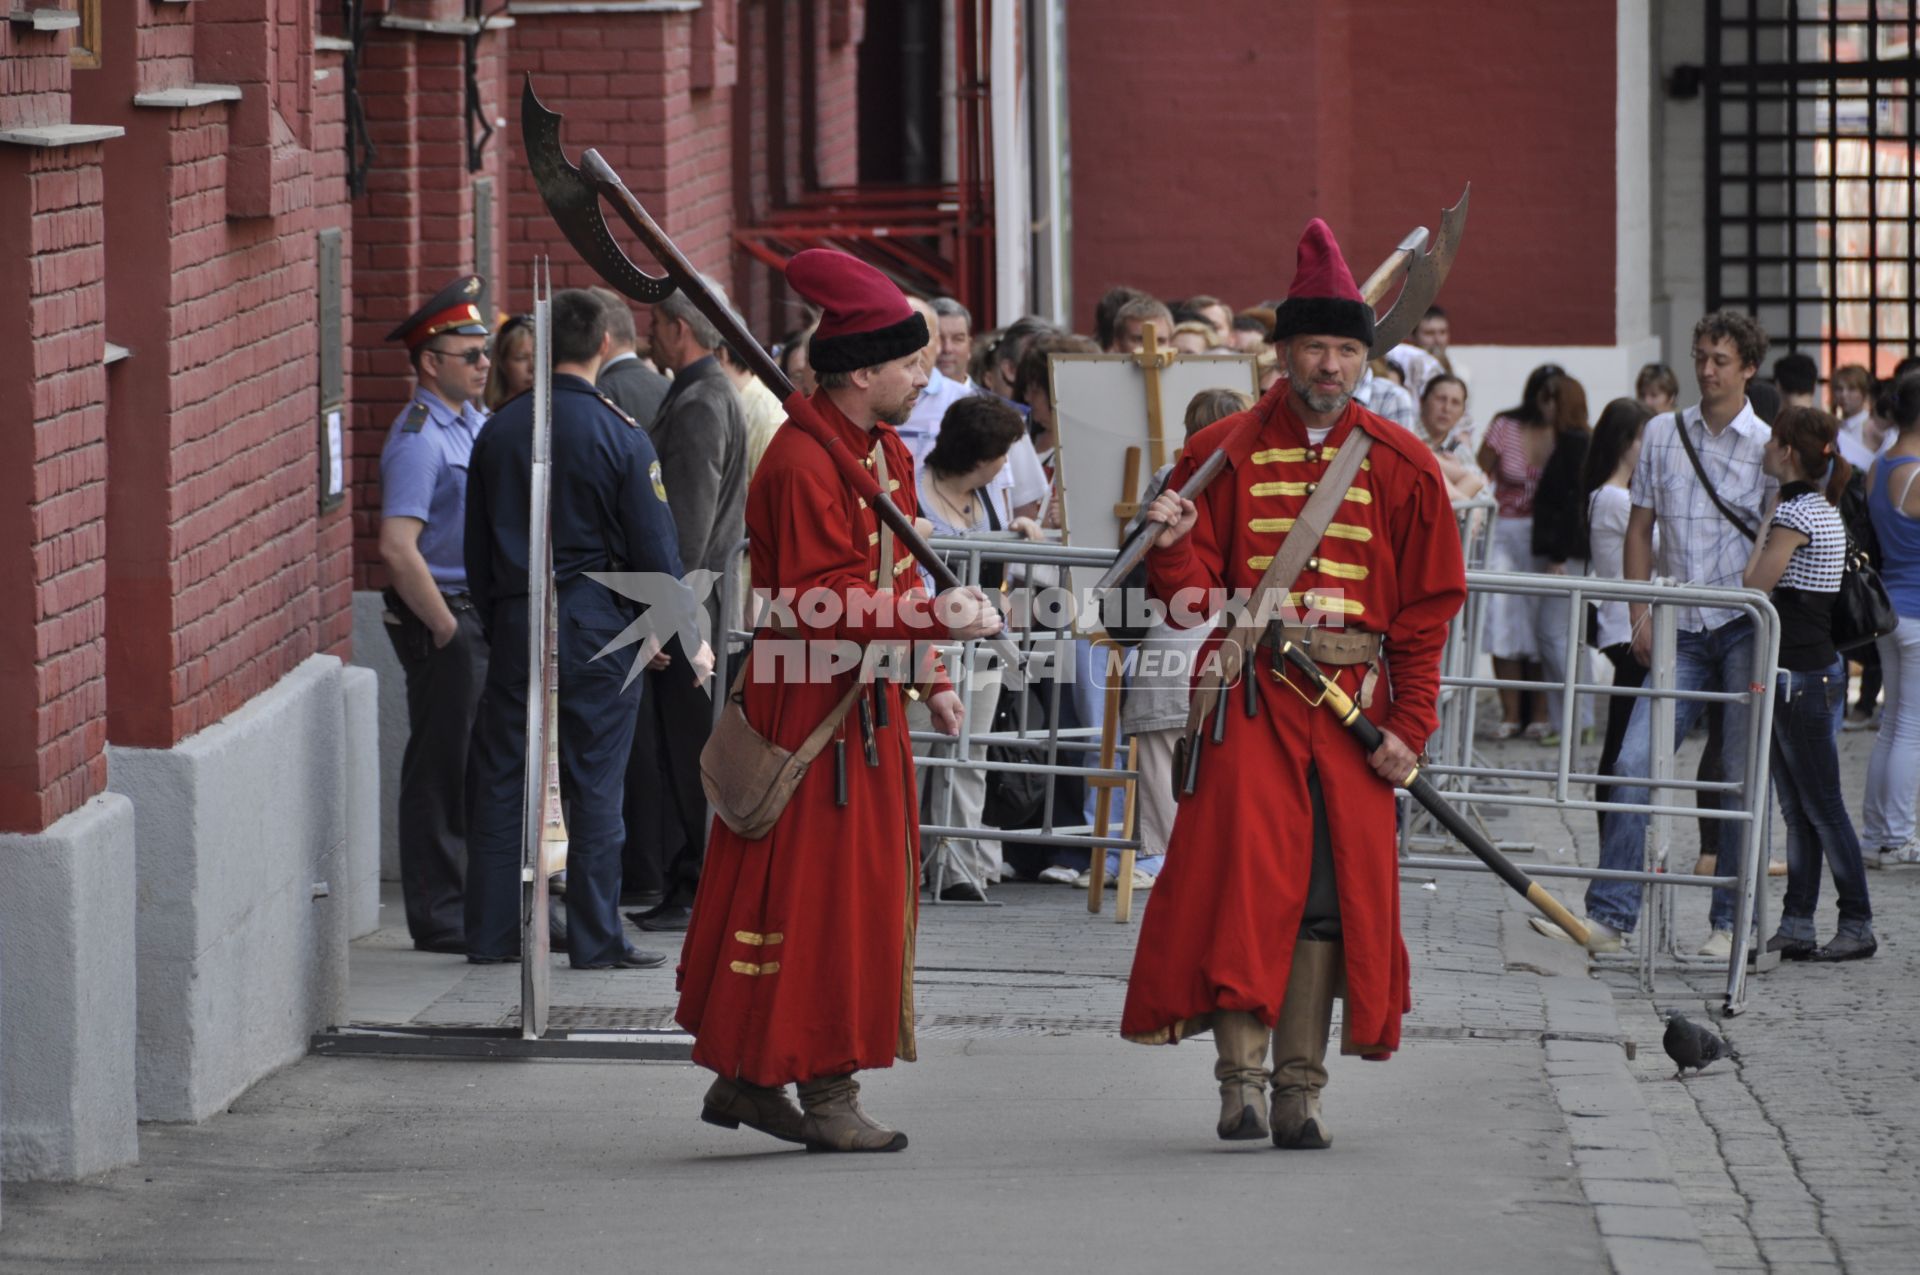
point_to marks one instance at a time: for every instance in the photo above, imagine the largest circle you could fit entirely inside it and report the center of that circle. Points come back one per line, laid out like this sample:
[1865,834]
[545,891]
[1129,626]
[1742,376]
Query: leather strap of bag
[1700,472]
[1301,542]
[816,740]
[884,578]
[809,747]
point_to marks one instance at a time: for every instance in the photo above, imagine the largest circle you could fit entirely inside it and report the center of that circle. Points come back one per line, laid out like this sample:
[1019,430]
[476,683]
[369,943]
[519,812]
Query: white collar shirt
[922,426]
[1696,545]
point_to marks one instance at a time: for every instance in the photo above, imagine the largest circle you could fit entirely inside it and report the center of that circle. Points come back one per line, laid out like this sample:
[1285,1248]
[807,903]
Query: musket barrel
[1369,737]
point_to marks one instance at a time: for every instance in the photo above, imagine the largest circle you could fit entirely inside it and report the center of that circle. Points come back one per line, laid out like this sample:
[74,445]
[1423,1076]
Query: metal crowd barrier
[1467,779]
[1746,799]
[1474,520]
[1041,649]
[1053,746]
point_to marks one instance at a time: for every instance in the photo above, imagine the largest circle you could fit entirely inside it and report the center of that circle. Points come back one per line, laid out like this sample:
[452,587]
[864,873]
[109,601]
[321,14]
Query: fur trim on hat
[1324,316]
[854,350]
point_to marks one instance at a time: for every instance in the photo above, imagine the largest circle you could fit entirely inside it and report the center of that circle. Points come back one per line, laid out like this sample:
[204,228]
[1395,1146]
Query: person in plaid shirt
[1698,545]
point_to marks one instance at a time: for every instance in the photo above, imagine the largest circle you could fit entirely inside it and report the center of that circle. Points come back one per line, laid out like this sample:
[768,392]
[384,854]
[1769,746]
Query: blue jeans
[1806,774]
[1711,660]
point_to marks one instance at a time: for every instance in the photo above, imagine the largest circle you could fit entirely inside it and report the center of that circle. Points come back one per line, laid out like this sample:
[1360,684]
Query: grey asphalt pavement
[1040,1140]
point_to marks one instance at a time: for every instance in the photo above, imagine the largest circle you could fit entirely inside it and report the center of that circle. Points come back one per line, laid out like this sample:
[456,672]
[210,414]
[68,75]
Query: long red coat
[799,961]
[1220,931]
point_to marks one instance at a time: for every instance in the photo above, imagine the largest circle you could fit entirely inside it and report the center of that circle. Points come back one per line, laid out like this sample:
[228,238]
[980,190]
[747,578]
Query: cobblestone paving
[1802,1155]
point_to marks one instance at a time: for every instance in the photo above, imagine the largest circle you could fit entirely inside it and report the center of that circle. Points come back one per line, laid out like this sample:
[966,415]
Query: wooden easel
[1152,359]
[1102,817]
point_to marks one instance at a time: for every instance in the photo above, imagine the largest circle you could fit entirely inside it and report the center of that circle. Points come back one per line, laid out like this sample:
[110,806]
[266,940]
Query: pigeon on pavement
[1691,1045]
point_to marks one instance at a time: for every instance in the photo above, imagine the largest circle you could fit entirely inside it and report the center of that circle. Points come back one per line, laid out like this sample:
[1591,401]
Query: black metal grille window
[1812,140]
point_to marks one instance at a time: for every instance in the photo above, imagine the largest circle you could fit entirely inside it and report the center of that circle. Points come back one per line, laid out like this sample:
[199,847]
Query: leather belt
[1325,646]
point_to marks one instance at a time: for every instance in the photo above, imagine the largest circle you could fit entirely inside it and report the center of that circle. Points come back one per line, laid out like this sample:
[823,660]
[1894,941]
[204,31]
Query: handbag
[747,777]
[1862,612]
[1014,798]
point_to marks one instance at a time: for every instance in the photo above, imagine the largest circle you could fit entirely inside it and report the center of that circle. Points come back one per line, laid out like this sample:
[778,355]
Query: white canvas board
[1100,403]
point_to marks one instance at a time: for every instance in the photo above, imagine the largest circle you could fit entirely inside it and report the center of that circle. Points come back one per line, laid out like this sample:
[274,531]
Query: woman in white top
[1608,471]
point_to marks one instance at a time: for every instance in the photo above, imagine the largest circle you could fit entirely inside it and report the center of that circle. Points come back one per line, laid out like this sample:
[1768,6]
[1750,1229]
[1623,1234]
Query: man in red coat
[1281,888]
[798,962]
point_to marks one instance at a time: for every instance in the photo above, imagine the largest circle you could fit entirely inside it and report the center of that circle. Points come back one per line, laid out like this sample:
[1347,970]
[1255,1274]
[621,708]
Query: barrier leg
[1109,741]
[1123,901]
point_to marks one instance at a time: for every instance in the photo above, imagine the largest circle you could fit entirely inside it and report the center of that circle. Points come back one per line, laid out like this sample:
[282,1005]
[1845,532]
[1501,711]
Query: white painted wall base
[67,1018]
[1497,374]
[241,957]
[361,689]
[374,650]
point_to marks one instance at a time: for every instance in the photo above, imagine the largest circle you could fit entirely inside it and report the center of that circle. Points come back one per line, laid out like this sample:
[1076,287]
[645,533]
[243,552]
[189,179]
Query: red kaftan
[798,963]
[1225,913]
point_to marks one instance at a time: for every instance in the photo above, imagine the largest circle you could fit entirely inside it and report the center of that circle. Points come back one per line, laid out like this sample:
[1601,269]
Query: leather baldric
[1279,577]
[884,579]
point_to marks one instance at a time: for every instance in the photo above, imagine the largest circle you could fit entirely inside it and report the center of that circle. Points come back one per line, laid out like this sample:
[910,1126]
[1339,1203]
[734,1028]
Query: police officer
[609,513]
[430,617]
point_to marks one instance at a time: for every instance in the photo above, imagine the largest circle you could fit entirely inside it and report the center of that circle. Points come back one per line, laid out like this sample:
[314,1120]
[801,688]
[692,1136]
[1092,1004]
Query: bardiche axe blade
[1426,271]
[574,201]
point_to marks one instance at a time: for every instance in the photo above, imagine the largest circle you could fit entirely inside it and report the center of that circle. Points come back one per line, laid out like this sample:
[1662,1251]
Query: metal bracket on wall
[476,115]
[360,150]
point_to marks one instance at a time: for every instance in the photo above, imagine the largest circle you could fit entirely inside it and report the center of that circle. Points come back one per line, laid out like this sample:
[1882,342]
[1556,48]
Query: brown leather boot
[1241,1040]
[1300,1046]
[835,1122]
[731,1103]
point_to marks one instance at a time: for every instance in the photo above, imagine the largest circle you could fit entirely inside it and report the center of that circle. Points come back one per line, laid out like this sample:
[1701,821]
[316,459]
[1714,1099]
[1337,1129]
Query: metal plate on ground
[497,1043]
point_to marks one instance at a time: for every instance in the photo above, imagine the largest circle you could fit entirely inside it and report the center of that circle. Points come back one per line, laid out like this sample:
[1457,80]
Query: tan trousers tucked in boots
[731,1103]
[1241,1041]
[1300,1045]
[835,1122]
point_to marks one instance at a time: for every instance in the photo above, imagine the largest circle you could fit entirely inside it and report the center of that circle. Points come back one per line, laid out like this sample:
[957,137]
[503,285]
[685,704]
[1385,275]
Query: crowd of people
[1754,484]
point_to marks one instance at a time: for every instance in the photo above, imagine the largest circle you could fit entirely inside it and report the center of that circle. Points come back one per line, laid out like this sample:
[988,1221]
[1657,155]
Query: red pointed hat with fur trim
[1324,300]
[864,319]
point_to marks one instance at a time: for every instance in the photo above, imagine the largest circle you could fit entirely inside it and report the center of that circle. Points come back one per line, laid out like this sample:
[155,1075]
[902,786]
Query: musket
[1342,706]
[1424,273]
[573,196]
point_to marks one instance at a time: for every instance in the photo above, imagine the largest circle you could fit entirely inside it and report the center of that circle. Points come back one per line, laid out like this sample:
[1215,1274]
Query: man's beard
[1332,401]
[896,414]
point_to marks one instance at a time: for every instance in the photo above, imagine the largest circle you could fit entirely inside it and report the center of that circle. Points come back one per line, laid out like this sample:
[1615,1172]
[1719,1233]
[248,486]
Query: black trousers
[1321,919]
[595,729]
[667,816]
[443,693]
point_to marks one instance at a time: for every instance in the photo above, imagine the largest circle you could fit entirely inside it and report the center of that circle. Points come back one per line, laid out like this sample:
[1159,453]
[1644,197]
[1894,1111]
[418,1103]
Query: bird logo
[670,608]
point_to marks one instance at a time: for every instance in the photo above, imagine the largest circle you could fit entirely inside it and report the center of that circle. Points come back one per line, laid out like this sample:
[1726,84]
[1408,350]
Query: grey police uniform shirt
[423,474]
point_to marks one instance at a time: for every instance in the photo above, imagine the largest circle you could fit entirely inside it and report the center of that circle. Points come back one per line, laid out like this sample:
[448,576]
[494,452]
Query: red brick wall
[332,209]
[53,489]
[624,83]
[413,229]
[1199,151]
[657,94]
[219,577]
[837,132]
